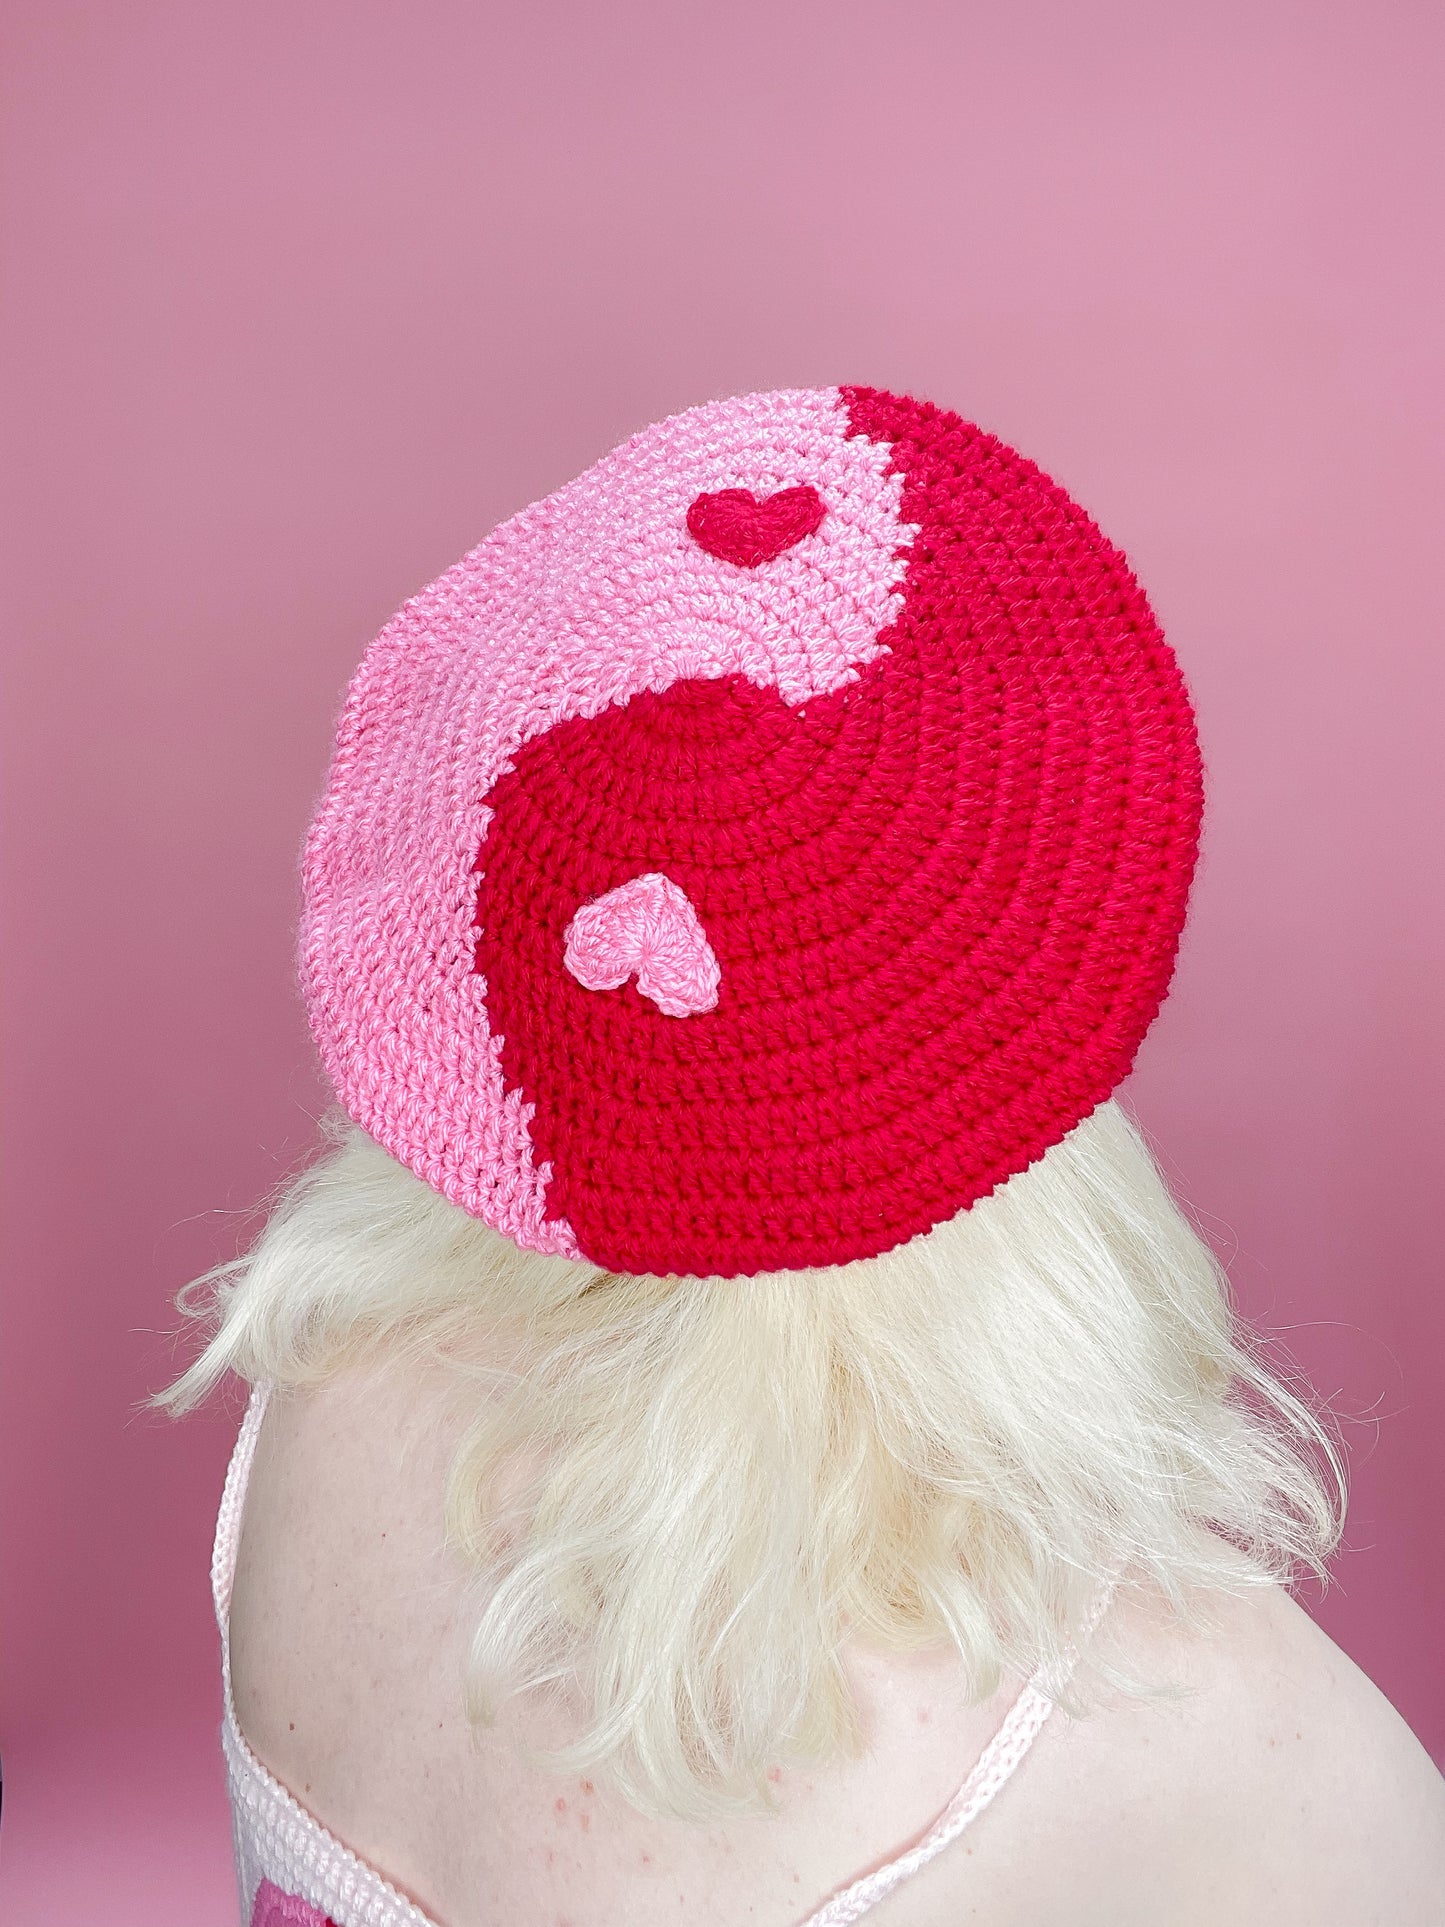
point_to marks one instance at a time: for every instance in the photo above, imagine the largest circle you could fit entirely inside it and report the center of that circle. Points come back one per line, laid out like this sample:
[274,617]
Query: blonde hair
[954,1442]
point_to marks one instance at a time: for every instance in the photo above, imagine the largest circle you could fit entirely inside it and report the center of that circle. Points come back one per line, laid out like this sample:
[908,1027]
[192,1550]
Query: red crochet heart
[735,526]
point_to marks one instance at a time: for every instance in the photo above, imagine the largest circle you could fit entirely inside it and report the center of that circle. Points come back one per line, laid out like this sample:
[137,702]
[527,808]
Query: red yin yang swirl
[945,899]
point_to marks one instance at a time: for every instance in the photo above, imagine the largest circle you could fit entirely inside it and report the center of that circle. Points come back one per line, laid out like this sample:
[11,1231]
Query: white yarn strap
[998,1761]
[275,1837]
[233,1502]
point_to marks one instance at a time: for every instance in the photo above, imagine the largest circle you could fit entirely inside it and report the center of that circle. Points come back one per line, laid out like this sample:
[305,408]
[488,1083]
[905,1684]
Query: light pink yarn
[647,926]
[576,604]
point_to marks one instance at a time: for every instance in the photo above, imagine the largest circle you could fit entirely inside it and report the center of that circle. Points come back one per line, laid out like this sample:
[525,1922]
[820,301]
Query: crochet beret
[757,851]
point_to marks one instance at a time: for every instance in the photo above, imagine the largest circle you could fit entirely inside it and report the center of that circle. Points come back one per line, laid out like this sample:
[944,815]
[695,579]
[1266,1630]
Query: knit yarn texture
[757,851]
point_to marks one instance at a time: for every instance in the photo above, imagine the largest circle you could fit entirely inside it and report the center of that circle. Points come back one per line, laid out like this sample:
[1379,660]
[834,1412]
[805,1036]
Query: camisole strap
[233,1504]
[1000,1758]
[285,1859]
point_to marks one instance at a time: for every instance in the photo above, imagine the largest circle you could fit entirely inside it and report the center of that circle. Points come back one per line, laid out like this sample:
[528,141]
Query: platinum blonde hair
[953,1443]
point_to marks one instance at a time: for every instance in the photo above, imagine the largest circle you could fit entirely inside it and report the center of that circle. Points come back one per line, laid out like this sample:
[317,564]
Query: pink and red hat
[756,852]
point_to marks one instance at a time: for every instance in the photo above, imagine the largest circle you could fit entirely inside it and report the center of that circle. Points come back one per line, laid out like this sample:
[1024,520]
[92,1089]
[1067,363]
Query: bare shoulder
[1290,1788]
[1283,1788]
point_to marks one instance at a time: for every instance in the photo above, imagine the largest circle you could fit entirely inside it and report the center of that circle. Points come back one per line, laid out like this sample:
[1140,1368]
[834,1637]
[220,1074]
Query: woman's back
[1283,1788]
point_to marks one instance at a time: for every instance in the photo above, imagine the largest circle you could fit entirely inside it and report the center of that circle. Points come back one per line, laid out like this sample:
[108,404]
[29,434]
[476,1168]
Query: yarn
[912,796]
[283,1853]
[647,926]
[735,526]
[276,1909]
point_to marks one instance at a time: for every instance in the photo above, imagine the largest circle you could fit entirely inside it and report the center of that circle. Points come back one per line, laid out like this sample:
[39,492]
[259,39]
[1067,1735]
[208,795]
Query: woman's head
[741,884]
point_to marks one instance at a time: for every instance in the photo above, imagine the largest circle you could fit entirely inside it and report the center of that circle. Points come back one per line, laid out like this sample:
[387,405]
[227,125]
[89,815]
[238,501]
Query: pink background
[301,299]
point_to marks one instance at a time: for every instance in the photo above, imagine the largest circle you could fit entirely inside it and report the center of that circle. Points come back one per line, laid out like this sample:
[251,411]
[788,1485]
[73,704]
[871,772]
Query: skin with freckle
[348,1644]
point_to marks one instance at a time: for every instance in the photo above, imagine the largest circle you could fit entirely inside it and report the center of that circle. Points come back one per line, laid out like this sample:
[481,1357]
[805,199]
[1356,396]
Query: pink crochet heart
[647,926]
[736,526]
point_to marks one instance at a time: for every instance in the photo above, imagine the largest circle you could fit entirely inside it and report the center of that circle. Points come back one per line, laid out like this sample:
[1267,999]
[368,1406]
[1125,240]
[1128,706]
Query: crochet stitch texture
[759,850]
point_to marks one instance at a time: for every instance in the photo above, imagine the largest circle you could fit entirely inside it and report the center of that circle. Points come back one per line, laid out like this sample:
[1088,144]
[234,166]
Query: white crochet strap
[233,1501]
[998,1761]
[276,1838]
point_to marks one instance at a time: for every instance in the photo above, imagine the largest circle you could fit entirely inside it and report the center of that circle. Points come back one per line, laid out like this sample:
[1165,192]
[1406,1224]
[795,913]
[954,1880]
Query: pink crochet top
[294,1873]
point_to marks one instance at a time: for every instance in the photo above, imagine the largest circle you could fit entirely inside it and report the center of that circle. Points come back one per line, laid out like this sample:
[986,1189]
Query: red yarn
[735,526]
[945,899]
